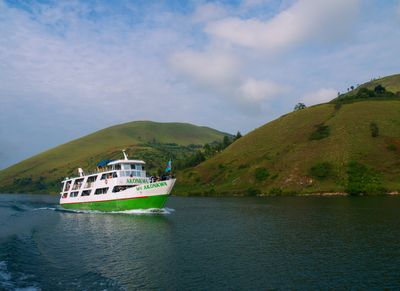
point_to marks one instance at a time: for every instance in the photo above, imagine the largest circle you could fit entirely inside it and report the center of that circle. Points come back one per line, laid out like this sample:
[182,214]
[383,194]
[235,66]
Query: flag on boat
[169,166]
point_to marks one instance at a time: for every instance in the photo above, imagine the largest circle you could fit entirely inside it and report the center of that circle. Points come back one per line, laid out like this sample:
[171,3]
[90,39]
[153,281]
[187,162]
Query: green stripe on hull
[119,205]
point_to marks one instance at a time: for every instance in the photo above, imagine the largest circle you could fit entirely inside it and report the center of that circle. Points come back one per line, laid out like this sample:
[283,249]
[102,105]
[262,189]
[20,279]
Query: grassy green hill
[349,147]
[151,141]
[391,83]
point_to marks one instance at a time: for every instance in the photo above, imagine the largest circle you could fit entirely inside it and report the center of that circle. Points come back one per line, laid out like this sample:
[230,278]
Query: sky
[68,68]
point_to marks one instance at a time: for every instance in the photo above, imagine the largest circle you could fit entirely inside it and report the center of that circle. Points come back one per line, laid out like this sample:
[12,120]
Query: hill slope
[391,83]
[152,141]
[354,147]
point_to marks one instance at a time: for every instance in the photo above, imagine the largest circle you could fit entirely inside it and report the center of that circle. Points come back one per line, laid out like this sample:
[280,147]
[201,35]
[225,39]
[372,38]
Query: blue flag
[169,166]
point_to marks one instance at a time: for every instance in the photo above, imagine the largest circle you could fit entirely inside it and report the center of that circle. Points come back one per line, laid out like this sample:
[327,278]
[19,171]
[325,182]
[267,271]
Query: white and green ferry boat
[116,186]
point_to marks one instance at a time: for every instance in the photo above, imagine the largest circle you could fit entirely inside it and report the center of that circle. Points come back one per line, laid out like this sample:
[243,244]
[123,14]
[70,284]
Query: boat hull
[148,202]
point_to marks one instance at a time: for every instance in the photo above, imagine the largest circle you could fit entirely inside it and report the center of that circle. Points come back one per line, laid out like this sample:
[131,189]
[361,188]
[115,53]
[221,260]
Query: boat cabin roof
[126,162]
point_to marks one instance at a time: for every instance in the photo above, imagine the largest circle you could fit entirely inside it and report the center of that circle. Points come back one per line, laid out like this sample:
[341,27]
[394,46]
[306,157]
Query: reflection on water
[202,243]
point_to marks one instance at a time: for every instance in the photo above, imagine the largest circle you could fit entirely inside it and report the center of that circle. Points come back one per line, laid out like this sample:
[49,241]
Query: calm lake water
[203,244]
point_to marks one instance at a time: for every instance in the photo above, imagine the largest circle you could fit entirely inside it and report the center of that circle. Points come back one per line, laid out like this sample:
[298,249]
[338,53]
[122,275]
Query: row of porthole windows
[98,191]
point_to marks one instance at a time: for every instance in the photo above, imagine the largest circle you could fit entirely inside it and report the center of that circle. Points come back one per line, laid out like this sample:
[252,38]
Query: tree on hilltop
[238,135]
[299,106]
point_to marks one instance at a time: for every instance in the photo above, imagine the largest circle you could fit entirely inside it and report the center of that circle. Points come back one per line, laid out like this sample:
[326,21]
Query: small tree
[226,141]
[238,135]
[374,129]
[321,170]
[379,89]
[208,151]
[352,88]
[321,131]
[299,106]
[261,174]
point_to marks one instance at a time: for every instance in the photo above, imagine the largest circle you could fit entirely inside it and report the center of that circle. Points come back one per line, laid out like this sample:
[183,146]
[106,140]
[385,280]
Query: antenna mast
[125,155]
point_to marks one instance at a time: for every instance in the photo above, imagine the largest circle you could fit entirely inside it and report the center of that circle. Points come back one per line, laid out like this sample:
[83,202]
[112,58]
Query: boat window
[138,167]
[122,188]
[90,181]
[126,166]
[67,185]
[118,167]
[77,184]
[74,194]
[108,176]
[92,178]
[130,174]
[86,192]
[65,195]
[101,191]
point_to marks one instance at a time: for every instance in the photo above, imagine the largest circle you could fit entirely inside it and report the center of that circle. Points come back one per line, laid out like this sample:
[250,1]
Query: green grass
[390,83]
[154,142]
[284,147]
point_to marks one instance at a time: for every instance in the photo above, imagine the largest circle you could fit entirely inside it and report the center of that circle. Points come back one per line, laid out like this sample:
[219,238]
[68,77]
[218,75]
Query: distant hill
[348,145]
[152,141]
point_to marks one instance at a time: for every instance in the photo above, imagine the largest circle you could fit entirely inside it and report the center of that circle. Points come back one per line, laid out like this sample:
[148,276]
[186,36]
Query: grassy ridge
[152,141]
[391,83]
[314,150]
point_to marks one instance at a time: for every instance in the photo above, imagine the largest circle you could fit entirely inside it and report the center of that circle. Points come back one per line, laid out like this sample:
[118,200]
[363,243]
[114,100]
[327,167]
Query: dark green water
[203,244]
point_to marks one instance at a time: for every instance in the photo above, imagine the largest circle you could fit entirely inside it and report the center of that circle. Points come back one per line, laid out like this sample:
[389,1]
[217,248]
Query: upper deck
[114,174]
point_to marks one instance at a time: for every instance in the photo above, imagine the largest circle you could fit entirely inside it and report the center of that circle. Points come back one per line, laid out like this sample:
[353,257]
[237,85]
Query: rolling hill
[347,145]
[154,142]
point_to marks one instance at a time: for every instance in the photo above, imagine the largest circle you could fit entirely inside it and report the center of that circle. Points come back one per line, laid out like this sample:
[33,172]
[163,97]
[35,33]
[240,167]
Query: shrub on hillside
[374,129]
[321,131]
[276,191]
[338,105]
[378,93]
[253,191]
[195,159]
[261,174]
[321,170]
[362,180]
[379,89]
[392,147]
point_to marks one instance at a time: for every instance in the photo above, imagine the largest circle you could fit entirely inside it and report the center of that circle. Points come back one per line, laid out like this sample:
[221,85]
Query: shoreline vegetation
[320,194]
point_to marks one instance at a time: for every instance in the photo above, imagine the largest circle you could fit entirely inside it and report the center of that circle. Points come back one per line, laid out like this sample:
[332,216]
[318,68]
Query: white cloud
[320,96]
[252,90]
[208,11]
[302,21]
[221,73]
[206,68]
